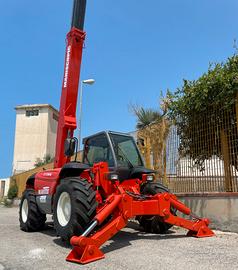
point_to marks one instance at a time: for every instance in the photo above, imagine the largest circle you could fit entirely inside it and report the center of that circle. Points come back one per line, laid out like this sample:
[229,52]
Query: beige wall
[51,133]
[7,185]
[221,209]
[35,137]
[22,177]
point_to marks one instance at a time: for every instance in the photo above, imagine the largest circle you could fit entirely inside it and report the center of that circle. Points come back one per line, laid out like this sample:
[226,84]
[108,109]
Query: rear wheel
[154,224]
[74,207]
[30,217]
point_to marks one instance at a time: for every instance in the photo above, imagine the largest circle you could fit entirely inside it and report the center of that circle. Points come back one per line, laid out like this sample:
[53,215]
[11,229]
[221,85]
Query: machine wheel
[154,224]
[74,207]
[30,217]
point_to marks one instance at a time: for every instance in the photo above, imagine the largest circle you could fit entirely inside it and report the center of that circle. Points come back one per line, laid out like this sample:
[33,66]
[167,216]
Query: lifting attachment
[119,208]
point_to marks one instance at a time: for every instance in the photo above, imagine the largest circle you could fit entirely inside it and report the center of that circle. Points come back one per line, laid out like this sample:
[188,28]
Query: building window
[55,117]
[2,188]
[32,113]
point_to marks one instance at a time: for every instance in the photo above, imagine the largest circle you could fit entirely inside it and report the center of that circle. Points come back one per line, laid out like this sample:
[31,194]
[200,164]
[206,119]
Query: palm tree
[153,129]
[145,117]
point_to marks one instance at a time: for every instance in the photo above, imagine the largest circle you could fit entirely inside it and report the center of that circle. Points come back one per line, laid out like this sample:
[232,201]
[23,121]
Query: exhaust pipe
[78,15]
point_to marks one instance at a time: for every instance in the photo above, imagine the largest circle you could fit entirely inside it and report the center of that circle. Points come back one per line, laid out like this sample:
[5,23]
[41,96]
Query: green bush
[7,202]
[203,109]
[12,192]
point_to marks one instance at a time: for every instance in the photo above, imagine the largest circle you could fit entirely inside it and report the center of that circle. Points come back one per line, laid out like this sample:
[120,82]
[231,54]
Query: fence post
[226,158]
[237,111]
[165,180]
[147,152]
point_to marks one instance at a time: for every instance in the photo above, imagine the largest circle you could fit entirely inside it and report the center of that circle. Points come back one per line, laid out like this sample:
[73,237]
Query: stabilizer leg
[202,229]
[85,250]
[197,228]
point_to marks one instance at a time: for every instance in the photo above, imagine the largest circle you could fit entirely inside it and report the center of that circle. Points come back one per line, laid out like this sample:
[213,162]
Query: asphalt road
[129,249]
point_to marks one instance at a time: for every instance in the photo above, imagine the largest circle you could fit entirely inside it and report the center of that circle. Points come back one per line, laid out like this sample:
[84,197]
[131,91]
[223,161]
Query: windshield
[126,151]
[97,149]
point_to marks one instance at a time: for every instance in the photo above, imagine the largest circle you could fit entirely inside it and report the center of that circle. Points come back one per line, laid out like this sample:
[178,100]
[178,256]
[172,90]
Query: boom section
[68,102]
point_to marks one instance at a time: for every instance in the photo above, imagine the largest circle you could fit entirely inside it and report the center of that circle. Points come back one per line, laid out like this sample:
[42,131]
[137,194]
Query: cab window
[126,151]
[97,149]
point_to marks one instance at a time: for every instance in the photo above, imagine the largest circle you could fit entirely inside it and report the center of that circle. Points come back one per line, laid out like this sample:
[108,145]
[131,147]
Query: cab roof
[106,132]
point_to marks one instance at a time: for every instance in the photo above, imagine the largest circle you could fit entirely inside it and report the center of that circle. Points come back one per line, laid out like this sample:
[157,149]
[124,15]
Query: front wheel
[30,217]
[154,224]
[74,207]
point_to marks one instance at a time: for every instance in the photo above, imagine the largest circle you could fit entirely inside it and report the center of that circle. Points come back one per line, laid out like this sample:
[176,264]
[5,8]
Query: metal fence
[202,154]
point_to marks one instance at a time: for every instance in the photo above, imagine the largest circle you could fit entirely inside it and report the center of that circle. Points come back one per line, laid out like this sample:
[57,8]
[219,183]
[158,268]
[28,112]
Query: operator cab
[119,150]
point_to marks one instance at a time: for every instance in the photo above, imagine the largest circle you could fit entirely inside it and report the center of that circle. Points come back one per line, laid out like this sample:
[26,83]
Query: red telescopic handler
[92,200]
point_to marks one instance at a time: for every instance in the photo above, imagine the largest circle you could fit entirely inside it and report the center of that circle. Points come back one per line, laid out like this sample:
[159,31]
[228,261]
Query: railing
[203,156]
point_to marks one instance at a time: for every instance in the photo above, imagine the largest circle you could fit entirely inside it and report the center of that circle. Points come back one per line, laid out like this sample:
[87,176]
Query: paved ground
[129,249]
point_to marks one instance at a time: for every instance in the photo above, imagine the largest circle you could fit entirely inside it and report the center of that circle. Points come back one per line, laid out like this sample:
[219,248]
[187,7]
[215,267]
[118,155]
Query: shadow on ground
[120,240]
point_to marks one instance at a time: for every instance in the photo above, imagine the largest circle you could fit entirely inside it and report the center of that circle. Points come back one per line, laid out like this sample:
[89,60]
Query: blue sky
[134,50]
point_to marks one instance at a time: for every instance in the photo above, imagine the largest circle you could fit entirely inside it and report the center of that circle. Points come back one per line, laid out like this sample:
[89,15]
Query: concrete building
[4,187]
[35,135]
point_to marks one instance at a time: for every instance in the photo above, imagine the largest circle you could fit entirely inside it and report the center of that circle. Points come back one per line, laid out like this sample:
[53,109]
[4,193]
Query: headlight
[150,177]
[113,177]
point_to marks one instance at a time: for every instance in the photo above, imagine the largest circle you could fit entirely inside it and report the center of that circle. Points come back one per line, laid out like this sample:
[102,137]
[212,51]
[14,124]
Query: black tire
[33,220]
[154,224]
[83,207]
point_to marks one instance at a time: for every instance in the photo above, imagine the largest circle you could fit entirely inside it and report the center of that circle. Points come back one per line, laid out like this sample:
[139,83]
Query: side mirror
[69,147]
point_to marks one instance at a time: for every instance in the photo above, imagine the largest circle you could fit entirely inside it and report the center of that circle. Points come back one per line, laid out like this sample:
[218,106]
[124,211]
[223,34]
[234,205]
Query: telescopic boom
[78,14]
[68,102]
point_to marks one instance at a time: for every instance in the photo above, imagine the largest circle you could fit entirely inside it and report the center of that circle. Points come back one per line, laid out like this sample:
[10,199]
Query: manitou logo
[67,67]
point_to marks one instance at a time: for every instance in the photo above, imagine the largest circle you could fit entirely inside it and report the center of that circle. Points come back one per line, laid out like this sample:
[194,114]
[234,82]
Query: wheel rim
[64,209]
[24,210]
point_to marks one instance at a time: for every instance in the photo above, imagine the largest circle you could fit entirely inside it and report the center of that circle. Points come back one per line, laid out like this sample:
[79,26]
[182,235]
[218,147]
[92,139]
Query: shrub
[205,108]
[12,192]
[7,202]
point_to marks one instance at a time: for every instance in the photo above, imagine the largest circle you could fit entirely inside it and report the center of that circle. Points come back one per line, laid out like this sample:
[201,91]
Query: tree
[205,114]
[153,129]
[145,117]
[13,190]
[46,160]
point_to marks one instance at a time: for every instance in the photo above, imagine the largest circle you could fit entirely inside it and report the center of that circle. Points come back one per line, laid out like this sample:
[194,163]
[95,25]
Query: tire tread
[36,220]
[83,201]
